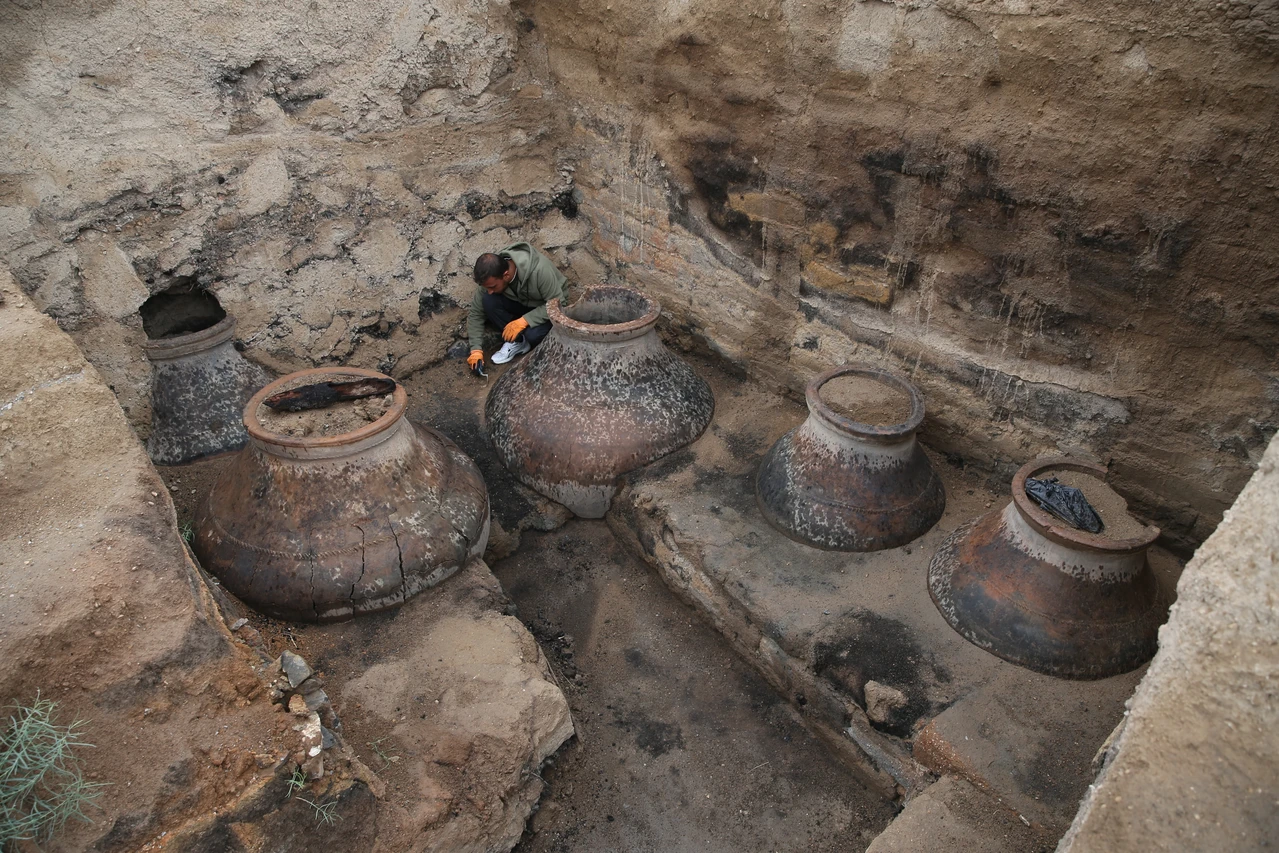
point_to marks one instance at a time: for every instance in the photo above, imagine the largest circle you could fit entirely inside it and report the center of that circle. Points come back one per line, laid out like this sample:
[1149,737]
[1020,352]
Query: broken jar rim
[607,332]
[876,432]
[1055,530]
[179,346]
[347,441]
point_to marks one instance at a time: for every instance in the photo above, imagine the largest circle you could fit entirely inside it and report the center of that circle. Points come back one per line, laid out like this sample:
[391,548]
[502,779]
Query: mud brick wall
[1058,218]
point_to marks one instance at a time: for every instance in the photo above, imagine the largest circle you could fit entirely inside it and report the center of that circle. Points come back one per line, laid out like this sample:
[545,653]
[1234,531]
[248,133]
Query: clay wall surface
[327,170]
[1196,766]
[1058,218]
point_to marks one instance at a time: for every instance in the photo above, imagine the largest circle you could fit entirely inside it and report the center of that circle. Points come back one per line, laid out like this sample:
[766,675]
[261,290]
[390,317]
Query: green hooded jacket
[536,283]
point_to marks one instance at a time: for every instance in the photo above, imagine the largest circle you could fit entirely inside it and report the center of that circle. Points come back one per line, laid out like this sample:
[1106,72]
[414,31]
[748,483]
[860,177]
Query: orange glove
[476,356]
[514,329]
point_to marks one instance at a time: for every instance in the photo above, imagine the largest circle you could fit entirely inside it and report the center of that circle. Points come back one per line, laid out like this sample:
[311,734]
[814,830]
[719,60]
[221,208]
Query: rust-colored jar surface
[199,385]
[1023,585]
[841,485]
[321,528]
[599,397]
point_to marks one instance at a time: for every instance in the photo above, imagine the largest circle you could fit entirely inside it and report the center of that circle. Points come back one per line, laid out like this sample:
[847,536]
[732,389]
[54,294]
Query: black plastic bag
[1065,502]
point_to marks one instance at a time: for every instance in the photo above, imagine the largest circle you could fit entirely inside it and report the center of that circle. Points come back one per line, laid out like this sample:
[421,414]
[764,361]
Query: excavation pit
[1060,225]
[817,645]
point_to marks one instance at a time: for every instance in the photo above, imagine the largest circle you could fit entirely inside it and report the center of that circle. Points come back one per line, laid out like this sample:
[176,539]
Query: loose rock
[882,701]
[295,668]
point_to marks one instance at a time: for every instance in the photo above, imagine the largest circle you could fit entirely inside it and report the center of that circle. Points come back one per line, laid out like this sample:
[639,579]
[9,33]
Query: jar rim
[561,319]
[399,404]
[1056,530]
[158,349]
[857,429]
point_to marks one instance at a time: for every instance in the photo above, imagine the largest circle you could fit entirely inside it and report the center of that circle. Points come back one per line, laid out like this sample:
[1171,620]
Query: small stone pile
[298,690]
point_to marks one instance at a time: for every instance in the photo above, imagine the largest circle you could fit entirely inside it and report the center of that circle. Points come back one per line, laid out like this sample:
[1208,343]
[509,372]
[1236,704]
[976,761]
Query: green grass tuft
[41,782]
[297,781]
[325,813]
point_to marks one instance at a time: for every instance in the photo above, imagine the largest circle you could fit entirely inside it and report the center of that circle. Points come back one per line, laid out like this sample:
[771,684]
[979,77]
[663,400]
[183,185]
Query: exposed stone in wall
[1058,219]
[1196,766]
[329,172]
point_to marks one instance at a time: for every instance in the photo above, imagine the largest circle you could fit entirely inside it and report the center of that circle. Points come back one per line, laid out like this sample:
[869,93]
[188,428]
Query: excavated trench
[720,674]
[1059,223]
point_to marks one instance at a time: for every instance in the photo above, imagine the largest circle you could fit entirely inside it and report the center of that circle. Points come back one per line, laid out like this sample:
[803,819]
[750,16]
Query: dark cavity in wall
[180,309]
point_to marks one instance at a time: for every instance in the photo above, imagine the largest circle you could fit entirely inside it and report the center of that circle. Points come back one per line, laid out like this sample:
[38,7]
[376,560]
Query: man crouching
[514,286]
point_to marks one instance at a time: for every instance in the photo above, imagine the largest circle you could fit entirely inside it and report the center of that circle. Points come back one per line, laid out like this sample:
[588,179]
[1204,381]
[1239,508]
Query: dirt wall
[328,171]
[1058,218]
[1196,766]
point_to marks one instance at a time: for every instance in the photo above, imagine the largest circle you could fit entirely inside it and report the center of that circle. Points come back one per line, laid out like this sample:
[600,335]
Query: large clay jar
[601,396]
[1025,586]
[318,529]
[199,385]
[841,485]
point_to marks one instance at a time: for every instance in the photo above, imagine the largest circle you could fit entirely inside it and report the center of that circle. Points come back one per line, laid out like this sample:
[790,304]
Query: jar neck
[193,343]
[877,450]
[1079,561]
[334,447]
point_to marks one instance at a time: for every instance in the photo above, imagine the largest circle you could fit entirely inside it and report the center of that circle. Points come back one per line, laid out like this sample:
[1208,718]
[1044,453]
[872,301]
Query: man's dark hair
[489,265]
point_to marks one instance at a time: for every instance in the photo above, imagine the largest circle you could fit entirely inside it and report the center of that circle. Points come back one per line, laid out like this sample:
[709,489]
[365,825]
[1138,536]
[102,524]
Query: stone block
[859,282]
[264,184]
[952,815]
[774,207]
[111,285]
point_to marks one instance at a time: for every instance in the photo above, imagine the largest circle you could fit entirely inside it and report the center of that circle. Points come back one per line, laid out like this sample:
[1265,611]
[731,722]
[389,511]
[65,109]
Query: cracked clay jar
[601,396]
[320,528]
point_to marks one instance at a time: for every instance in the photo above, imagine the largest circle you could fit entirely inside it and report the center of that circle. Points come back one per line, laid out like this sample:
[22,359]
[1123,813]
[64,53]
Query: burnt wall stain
[430,303]
[718,169]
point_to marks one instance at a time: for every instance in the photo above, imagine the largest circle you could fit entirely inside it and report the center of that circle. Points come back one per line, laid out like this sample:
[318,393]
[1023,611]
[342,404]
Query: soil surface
[681,746]
[189,484]
[1108,503]
[866,401]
